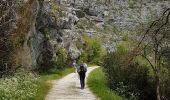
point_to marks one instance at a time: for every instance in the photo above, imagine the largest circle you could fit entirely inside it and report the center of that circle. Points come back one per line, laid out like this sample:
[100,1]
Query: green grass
[97,83]
[91,65]
[46,82]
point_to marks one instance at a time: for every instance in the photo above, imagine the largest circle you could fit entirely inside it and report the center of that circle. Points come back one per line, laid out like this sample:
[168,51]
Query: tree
[7,23]
[153,46]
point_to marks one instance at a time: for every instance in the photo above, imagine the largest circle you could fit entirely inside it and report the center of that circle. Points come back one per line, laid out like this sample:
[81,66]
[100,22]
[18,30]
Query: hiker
[75,65]
[82,69]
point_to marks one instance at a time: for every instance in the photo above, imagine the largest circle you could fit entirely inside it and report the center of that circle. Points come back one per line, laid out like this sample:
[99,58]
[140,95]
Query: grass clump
[98,84]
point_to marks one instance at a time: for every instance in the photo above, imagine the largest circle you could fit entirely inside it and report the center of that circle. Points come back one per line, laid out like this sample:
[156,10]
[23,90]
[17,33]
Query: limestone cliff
[39,29]
[61,23]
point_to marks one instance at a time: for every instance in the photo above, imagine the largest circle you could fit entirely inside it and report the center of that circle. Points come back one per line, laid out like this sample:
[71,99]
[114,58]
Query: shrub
[21,86]
[61,60]
[56,10]
[93,51]
[165,88]
[133,80]
[83,57]
[85,24]
[125,37]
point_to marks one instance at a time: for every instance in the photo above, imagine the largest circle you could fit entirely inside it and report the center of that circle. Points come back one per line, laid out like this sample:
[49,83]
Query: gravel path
[68,88]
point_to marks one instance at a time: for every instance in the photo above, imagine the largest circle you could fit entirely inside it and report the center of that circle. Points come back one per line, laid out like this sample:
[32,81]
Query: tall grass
[98,84]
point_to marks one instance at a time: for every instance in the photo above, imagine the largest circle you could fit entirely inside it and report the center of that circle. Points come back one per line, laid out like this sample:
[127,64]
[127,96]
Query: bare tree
[153,44]
[7,23]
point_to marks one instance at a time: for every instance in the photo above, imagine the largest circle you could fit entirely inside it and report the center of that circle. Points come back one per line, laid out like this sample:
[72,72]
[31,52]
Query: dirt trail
[68,88]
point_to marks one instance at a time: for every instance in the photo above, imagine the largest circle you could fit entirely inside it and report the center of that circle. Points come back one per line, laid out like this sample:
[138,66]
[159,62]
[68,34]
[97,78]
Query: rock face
[41,28]
[21,35]
[54,31]
[60,24]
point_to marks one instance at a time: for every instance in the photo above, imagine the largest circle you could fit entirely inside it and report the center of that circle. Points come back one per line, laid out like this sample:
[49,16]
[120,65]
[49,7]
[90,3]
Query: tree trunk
[158,88]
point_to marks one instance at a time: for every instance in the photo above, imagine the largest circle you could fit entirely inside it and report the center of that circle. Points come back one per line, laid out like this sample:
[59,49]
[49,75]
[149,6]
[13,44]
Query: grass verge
[46,82]
[97,83]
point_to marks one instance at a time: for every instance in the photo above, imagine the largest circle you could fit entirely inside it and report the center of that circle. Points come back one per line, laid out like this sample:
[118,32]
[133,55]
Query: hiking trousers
[82,79]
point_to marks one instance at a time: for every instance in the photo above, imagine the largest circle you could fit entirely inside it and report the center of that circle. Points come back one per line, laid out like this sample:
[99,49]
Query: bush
[166,75]
[166,90]
[93,51]
[61,61]
[131,80]
[85,24]
[21,86]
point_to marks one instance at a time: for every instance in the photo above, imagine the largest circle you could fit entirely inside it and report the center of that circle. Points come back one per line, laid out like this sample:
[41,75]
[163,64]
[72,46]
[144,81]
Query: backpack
[82,68]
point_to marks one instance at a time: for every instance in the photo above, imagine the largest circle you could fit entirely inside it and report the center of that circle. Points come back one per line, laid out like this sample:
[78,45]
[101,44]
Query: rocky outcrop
[56,25]
[52,24]
[21,35]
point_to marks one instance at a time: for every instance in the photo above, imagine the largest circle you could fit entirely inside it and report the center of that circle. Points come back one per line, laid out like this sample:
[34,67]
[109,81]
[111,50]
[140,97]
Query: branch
[149,62]
[166,22]
[153,24]
[135,51]
[164,36]
[7,22]
[166,11]
[10,8]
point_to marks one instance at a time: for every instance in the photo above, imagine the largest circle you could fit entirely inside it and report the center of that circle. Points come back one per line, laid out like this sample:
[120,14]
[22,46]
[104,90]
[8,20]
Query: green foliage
[93,52]
[98,84]
[132,3]
[122,48]
[132,80]
[56,11]
[83,57]
[165,74]
[85,24]
[125,37]
[166,56]
[21,86]
[111,29]
[61,60]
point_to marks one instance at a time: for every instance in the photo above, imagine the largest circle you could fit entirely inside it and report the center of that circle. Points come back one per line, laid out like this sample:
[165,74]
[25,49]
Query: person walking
[82,69]
[75,65]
